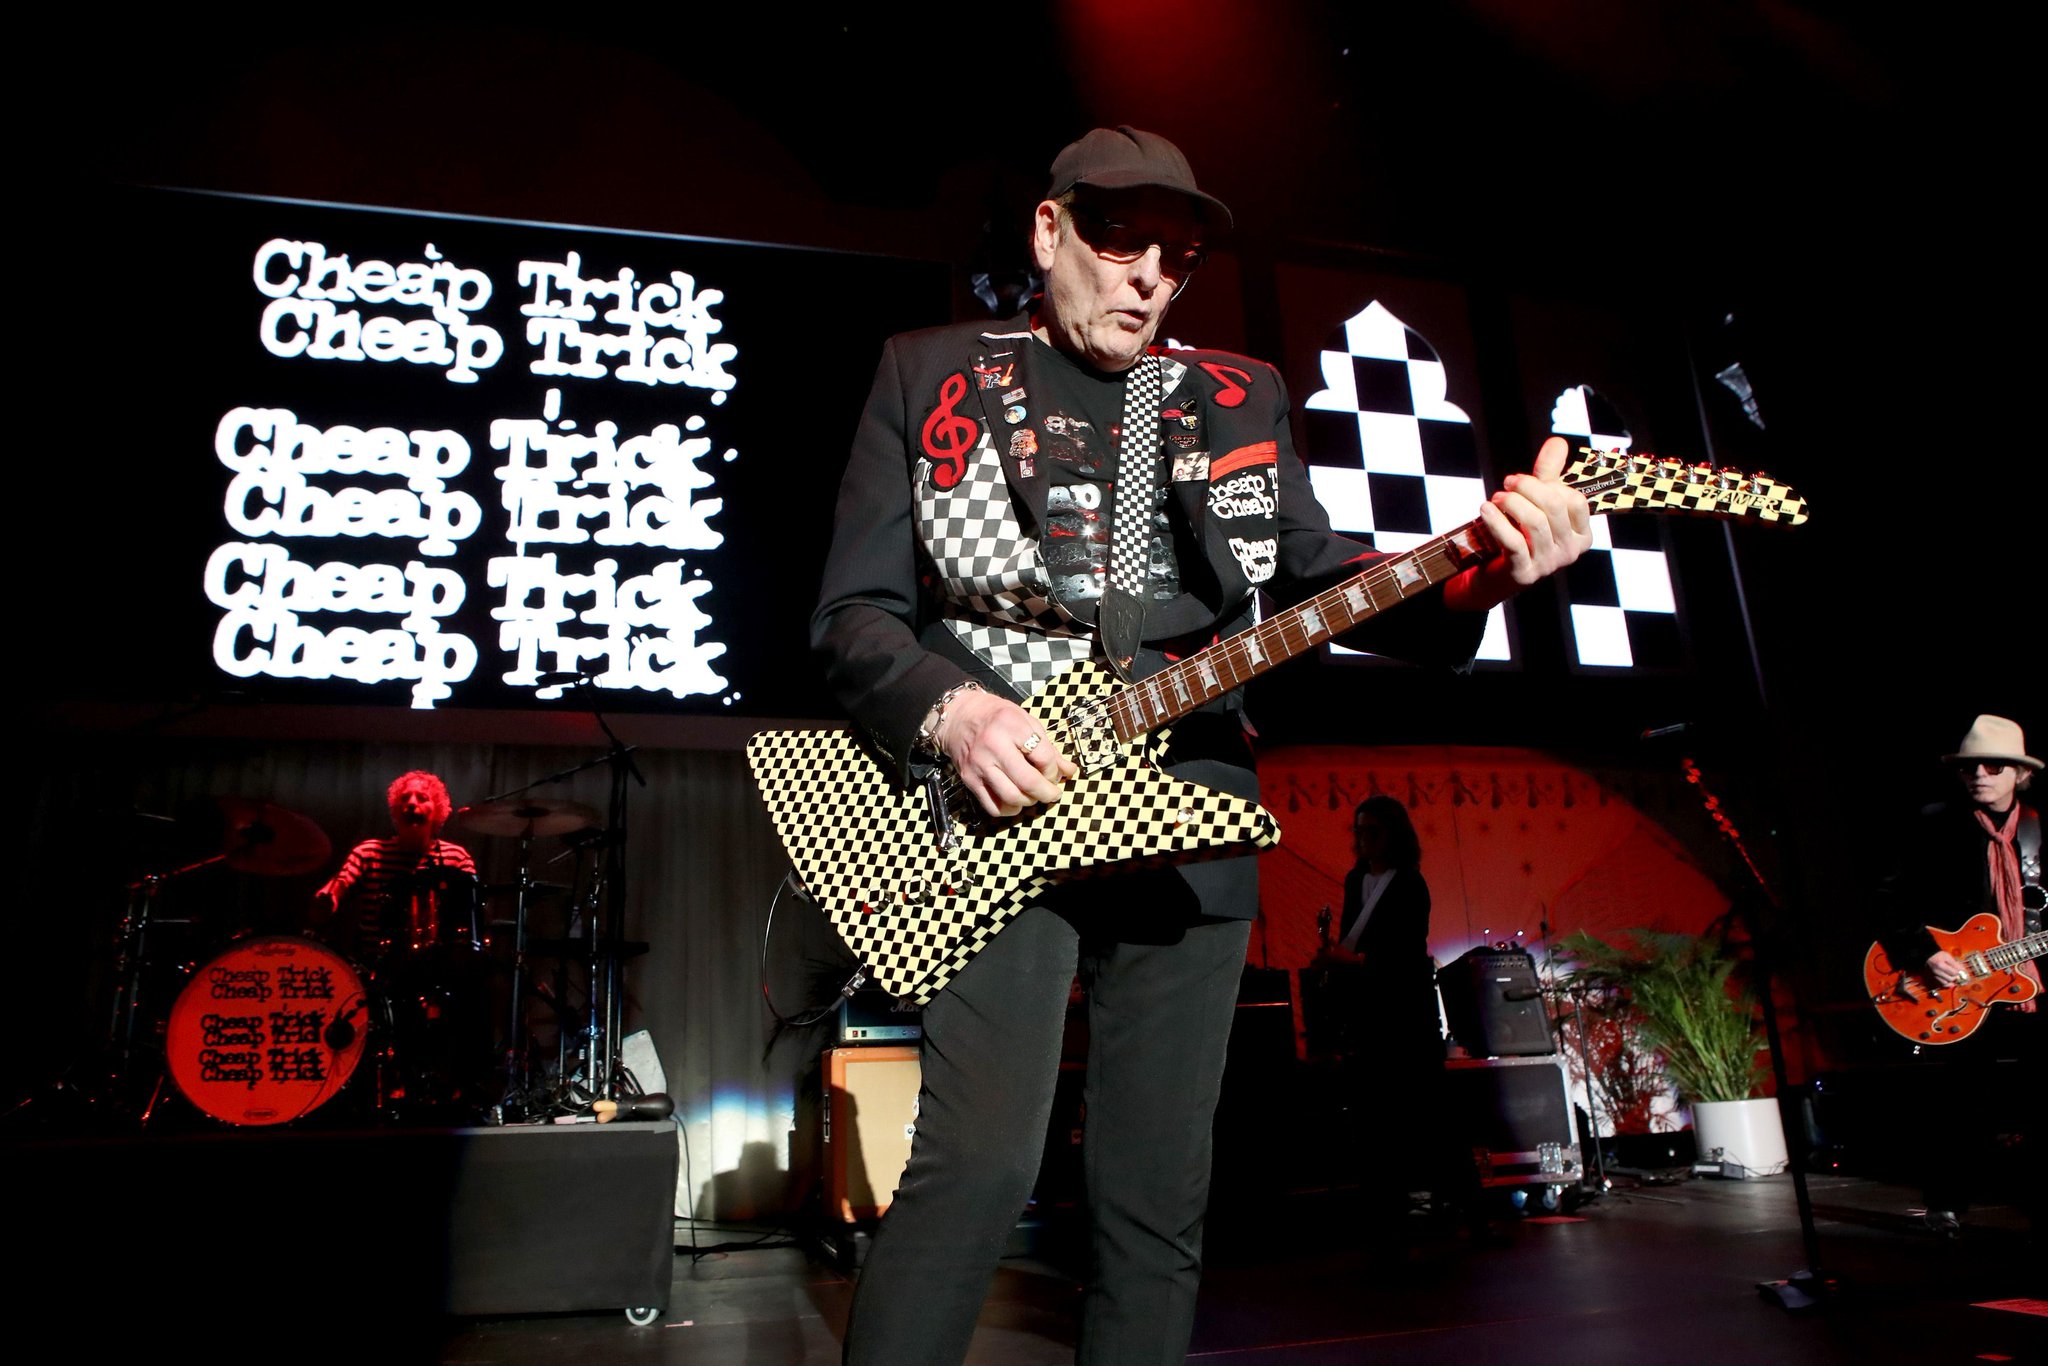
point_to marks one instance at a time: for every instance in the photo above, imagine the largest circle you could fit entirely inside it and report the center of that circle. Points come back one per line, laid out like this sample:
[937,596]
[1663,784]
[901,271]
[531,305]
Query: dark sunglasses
[1122,244]
[1992,767]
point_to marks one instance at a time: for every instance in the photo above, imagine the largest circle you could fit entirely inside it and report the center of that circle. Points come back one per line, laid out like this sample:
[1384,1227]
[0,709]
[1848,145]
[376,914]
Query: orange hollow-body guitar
[1925,1013]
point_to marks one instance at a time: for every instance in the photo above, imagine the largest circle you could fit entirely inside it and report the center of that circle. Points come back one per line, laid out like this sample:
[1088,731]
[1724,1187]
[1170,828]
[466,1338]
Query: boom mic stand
[603,1068]
[604,993]
[1802,1289]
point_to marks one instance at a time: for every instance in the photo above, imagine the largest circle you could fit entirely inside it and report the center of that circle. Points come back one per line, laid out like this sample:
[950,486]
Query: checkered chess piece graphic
[1391,458]
[1624,612]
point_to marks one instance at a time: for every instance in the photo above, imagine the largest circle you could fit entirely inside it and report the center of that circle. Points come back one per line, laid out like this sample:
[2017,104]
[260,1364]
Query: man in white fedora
[1977,854]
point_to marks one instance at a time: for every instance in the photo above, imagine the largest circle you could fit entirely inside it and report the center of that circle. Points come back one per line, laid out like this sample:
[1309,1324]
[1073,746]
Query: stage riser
[208,1238]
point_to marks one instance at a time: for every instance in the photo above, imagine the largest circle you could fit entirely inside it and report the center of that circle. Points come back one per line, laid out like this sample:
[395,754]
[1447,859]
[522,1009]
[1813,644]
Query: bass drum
[268,1032]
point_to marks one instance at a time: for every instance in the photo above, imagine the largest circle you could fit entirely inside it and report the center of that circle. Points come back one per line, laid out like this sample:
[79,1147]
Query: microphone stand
[518,1077]
[605,1041]
[605,1064]
[1598,1186]
[1802,1289]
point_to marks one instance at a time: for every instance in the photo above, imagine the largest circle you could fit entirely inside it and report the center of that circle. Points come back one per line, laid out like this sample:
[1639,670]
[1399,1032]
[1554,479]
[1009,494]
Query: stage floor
[1664,1272]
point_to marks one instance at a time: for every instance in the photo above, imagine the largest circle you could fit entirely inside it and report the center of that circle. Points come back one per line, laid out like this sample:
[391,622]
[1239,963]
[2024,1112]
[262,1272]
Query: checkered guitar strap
[1121,614]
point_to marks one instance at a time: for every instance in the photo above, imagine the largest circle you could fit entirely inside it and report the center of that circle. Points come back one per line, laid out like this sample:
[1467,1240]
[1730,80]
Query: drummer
[395,887]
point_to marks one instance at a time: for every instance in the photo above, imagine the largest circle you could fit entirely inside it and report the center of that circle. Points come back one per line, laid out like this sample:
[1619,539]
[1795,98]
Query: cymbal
[534,816]
[269,840]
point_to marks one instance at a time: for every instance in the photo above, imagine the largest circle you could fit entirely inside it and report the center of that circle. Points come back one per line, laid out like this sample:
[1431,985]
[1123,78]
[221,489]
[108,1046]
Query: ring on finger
[1030,742]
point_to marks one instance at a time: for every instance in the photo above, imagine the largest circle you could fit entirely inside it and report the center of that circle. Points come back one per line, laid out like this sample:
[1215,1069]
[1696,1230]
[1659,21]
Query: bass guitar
[918,880]
[1918,1009]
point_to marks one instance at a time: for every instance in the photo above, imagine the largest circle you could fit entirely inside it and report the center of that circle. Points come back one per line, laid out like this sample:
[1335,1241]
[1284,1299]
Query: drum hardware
[522,816]
[434,1026]
[255,837]
[519,814]
[526,817]
[268,840]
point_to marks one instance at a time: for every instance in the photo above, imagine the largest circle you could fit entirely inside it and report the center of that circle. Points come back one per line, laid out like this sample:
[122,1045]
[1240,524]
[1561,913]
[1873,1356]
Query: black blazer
[884,654]
[1942,878]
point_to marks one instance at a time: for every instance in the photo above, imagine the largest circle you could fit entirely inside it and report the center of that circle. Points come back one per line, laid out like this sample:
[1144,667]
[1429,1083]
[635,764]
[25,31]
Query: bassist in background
[1976,855]
[1382,995]
[979,548]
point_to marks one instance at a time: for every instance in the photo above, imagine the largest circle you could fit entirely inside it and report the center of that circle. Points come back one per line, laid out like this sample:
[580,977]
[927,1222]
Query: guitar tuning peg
[1731,478]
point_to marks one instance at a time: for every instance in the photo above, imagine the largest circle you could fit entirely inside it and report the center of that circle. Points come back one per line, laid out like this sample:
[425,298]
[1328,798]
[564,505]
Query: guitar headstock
[1618,481]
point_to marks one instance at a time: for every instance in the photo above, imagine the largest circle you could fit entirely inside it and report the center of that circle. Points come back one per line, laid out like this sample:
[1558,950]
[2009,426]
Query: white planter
[1747,1132]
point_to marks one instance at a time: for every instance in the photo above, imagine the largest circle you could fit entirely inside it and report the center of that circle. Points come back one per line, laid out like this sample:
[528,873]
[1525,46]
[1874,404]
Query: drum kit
[442,1022]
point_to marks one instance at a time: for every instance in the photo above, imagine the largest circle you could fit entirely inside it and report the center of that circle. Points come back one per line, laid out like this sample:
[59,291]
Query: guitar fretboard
[2018,951]
[1180,688]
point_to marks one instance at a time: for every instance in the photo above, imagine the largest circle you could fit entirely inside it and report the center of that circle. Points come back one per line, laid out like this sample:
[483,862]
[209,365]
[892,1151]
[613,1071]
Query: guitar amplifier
[872,1015]
[1494,1004]
[869,1116]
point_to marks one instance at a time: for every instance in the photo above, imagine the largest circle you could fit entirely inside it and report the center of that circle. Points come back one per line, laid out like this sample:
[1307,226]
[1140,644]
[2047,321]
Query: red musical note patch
[947,435]
[1234,381]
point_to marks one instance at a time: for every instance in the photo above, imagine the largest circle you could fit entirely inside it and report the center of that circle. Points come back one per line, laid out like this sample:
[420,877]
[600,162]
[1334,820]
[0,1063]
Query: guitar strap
[1121,614]
[2032,897]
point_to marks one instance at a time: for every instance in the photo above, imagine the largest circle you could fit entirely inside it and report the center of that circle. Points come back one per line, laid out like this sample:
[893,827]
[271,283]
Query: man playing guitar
[1980,856]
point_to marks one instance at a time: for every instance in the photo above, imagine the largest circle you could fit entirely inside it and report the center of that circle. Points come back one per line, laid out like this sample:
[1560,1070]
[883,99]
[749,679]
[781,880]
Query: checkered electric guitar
[917,881]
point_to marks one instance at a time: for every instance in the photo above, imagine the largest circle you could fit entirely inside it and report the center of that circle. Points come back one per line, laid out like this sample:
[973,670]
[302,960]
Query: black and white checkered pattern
[1390,458]
[1130,532]
[1624,611]
[991,577]
[865,850]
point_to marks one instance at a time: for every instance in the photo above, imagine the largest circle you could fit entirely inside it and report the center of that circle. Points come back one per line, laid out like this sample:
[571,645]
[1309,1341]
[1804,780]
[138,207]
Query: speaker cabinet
[1494,1005]
[1515,1114]
[870,1116]
[340,1243]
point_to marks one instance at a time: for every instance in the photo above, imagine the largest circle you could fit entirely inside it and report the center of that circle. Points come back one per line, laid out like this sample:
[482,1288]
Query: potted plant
[1702,1023]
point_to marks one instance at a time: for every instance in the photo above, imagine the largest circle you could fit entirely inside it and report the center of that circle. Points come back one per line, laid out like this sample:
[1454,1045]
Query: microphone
[655,1106]
[1660,732]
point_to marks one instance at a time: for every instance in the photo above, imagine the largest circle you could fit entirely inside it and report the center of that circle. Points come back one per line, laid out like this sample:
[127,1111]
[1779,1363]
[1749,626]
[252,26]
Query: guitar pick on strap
[1121,615]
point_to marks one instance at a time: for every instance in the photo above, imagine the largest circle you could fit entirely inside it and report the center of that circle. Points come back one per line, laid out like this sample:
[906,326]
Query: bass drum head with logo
[267,1032]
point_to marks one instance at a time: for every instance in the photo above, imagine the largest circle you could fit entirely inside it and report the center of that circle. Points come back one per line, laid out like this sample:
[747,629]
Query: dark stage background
[1631,198]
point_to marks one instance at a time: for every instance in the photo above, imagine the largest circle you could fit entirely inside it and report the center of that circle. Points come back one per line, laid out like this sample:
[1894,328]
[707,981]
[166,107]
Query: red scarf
[2005,882]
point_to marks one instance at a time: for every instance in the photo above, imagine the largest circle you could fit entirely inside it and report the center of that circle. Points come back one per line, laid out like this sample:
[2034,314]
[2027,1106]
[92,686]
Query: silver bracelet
[927,740]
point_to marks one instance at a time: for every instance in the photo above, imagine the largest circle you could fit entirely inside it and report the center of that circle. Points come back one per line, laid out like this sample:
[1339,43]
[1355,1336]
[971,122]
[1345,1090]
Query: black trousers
[1161,989]
[1980,1108]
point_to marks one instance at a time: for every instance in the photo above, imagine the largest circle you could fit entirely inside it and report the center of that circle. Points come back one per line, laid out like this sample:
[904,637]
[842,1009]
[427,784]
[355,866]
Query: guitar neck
[2018,951]
[1612,480]
[1180,688]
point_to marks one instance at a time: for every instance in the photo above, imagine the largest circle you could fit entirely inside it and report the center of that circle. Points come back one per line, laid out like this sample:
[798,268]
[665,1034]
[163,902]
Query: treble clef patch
[948,436]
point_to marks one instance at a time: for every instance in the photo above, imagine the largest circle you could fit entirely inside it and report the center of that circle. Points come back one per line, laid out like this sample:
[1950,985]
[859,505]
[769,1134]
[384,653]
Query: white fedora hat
[1994,738]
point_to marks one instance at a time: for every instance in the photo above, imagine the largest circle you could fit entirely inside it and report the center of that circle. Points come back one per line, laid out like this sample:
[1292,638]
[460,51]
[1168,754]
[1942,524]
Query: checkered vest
[994,593]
